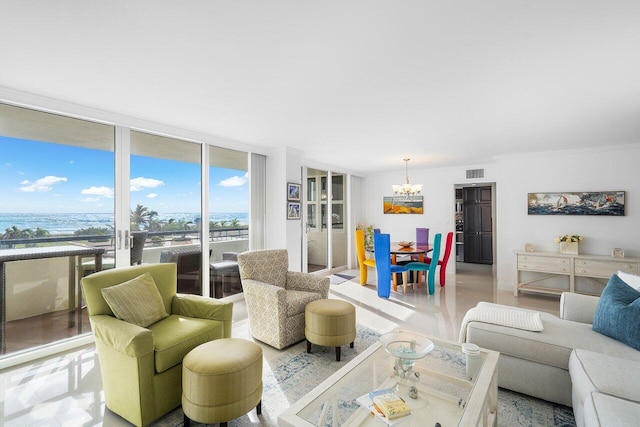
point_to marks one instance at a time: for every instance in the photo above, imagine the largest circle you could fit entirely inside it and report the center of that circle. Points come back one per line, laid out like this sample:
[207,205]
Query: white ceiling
[354,84]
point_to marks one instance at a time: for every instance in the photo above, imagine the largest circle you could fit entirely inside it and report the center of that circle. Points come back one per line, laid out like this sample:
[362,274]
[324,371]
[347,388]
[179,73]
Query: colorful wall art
[578,203]
[400,205]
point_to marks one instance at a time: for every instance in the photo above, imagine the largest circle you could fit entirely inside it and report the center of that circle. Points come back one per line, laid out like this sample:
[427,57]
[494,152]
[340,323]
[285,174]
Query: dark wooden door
[478,230]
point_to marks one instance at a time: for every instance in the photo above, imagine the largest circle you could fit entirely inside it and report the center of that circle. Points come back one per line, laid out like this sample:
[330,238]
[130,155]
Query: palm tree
[141,217]
[235,222]
[40,232]
[14,232]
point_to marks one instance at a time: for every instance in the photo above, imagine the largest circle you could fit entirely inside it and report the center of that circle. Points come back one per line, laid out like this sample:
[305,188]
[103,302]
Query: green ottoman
[330,323]
[221,381]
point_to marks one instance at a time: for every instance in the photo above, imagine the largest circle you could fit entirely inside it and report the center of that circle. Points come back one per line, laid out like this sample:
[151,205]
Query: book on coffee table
[386,405]
[391,405]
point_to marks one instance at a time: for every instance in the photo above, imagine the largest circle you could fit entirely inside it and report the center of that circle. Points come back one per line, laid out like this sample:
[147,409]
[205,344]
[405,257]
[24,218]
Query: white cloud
[140,183]
[42,184]
[98,191]
[89,199]
[234,181]
[152,195]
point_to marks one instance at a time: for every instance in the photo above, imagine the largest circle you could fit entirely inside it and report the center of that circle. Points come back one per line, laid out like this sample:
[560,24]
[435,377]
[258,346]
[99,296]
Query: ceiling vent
[475,173]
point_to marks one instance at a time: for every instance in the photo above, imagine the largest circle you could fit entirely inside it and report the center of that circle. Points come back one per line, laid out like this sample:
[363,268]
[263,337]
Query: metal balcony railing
[154,237]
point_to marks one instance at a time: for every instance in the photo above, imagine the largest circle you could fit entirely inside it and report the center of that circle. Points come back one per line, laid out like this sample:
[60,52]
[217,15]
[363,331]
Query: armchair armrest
[264,293]
[308,282]
[123,337]
[204,308]
[578,307]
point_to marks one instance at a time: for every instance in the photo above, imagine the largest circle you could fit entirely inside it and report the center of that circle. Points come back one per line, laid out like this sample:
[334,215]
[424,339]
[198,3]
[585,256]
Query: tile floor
[66,389]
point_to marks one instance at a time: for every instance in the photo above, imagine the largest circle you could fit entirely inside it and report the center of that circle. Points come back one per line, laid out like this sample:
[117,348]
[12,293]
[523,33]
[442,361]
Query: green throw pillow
[618,313]
[137,301]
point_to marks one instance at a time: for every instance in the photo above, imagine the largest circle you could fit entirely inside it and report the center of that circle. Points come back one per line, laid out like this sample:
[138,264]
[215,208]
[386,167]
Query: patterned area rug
[294,373]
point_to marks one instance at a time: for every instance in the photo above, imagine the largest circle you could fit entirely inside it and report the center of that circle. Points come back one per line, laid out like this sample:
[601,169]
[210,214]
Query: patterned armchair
[276,298]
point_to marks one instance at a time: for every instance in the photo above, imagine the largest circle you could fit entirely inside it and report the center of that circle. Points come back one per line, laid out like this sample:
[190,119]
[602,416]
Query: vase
[569,248]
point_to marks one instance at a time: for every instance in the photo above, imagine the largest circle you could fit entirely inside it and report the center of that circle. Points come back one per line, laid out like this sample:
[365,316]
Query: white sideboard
[553,264]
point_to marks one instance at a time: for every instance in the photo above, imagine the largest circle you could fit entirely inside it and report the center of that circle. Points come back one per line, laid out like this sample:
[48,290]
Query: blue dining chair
[384,268]
[429,267]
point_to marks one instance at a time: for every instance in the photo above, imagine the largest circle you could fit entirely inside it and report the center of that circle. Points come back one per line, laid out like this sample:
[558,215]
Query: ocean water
[67,223]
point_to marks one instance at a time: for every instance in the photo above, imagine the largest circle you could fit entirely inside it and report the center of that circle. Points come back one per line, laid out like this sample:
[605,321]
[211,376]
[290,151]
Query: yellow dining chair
[364,262]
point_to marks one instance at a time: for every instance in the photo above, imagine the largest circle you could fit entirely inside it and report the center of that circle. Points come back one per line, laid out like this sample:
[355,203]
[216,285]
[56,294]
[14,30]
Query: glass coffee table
[434,384]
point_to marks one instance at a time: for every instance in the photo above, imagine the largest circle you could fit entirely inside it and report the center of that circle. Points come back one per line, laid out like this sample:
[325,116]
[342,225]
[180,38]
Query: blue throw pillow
[618,313]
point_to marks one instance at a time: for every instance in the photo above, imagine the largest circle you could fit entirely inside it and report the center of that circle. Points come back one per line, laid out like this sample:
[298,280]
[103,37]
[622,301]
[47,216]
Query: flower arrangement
[569,238]
[368,235]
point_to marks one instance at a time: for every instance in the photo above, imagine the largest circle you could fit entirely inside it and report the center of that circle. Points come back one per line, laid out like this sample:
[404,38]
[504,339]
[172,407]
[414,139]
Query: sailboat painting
[579,203]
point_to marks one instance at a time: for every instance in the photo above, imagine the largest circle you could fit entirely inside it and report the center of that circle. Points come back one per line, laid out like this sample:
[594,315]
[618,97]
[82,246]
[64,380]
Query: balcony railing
[155,238]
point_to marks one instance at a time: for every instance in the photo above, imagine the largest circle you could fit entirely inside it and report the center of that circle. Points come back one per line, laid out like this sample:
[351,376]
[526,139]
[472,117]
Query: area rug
[294,373]
[336,279]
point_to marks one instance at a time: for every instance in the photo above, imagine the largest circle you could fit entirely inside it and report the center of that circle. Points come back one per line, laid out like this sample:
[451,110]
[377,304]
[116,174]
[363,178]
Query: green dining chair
[429,267]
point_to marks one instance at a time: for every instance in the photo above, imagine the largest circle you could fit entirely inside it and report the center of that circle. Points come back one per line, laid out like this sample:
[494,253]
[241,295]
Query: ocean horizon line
[66,223]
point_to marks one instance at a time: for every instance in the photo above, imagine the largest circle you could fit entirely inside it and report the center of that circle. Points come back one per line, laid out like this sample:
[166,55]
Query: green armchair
[142,367]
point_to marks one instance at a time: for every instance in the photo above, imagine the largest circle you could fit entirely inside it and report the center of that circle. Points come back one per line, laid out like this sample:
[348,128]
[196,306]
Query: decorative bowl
[406,345]
[405,244]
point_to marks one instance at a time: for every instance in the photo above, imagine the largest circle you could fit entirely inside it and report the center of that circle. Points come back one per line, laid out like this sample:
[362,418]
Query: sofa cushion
[175,336]
[604,410]
[552,346]
[618,312]
[596,372]
[136,301]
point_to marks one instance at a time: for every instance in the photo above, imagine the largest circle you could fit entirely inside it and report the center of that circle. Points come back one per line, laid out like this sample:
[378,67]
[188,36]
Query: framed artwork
[579,203]
[293,210]
[400,205]
[617,253]
[293,192]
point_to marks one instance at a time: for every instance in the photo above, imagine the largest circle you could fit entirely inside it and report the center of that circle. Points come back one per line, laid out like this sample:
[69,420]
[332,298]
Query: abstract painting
[577,203]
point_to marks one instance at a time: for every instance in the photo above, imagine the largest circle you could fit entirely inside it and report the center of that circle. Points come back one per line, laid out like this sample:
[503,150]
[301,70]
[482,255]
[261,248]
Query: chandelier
[406,190]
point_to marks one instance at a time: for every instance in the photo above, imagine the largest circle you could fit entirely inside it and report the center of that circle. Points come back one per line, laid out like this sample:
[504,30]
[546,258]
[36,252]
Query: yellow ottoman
[221,381]
[330,323]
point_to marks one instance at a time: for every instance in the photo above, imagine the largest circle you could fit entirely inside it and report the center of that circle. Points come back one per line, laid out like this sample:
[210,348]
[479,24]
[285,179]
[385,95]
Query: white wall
[602,169]
[438,189]
[283,165]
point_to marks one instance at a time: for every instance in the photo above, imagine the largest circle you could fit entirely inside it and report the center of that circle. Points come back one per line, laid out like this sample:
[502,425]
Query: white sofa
[567,363]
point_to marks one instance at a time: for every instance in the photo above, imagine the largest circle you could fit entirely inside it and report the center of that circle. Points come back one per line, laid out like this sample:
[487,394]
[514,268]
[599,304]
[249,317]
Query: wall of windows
[89,191]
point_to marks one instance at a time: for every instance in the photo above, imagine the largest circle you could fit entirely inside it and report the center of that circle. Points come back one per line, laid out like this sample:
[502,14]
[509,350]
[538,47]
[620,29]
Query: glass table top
[440,379]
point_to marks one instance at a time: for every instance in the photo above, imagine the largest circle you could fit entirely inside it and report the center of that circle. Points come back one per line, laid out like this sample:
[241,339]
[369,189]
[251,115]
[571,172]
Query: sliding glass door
[165,202]
[56,222]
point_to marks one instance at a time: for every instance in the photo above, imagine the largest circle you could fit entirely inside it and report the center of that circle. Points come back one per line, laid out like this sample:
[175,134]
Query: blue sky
[39,177]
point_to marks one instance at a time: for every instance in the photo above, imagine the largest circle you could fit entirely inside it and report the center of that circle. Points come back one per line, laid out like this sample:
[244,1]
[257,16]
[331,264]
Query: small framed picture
[293,192]
[293,210]
[617,253]
[528,247]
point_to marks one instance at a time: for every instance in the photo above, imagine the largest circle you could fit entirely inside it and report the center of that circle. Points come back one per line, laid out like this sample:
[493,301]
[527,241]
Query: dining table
[398,249]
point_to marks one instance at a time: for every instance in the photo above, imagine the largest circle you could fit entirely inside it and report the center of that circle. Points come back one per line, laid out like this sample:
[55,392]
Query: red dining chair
[445,258]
